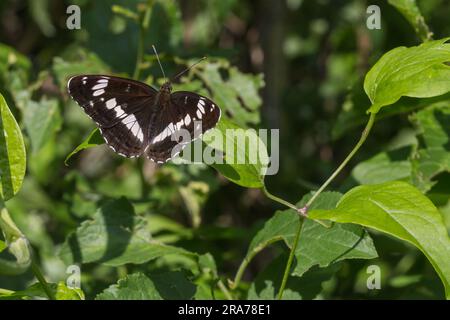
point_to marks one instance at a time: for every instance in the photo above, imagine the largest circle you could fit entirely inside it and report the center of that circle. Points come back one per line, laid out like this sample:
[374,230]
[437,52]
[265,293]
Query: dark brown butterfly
[135,119]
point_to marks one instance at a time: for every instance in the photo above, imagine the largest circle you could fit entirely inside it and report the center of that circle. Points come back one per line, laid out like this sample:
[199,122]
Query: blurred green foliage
[138,230]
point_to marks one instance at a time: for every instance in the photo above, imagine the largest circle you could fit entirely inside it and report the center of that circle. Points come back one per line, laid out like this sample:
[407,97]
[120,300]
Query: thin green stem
[38,274]
[287,270]
[224,290]
[358,145]
[248,258]
[279,200]
[143,28]
[363,138]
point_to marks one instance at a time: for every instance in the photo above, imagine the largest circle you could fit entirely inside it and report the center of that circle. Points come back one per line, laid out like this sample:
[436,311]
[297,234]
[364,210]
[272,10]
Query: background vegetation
[184,231]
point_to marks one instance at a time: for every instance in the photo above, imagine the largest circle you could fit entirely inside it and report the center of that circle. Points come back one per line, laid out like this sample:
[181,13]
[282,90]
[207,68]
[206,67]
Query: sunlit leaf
[36,291]
[418,72]
[247,161]
[402,211]
[12,153]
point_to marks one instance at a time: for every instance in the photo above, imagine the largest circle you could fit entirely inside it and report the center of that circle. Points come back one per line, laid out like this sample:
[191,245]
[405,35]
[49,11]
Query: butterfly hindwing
[185,109]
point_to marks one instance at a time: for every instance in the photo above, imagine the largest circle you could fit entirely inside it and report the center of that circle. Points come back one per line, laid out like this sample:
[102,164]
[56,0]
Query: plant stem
[358,145]
[363,138]
[287,270]
[224,290]
[279,200]
[38,274]
[143,27]
[247,259]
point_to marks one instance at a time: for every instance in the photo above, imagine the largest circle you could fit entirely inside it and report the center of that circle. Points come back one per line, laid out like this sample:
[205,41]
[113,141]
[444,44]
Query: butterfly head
[166,87]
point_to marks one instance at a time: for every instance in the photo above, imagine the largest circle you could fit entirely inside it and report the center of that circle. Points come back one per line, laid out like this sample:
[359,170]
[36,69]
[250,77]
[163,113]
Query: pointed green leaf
[414,72]
[137,286]
[115,236]
[317,245]
[385,166]
[245,154]
[237,95]
[402,211]
[94,139]
[12,153]
[42,119]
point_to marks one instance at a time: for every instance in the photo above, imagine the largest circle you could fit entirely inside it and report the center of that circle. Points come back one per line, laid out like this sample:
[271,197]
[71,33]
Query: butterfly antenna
[188,68]
[160,65]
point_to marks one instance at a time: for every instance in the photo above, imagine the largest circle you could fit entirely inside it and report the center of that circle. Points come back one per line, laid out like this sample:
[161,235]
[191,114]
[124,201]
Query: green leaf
[242,144]
[137,286]
[317,245]
[354,109]
[12,59]
[12,153]
[409,9]
[414,72]
[237,95]
[194,196]
[42,119]
[433,157]
[78,61]
[402,211]
[115,236]
[63,292]
[17,245]
[94,139]
[385,166]
[267,283]
[60,291]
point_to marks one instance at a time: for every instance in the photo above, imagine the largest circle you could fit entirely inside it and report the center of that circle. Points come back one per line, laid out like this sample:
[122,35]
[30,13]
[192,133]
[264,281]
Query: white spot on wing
[119,111]
[98,92]
[187,119]
[100,86]
[111,103]
[199,114]
[129,120]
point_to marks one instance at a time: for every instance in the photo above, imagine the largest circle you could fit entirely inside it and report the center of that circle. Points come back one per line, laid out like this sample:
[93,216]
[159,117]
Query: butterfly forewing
[119,106]
[135,118]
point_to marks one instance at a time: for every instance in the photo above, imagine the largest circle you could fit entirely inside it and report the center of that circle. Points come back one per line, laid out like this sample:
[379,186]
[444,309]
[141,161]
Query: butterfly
[135,119]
